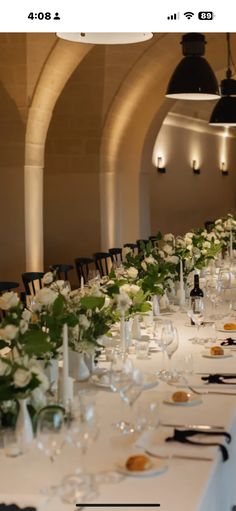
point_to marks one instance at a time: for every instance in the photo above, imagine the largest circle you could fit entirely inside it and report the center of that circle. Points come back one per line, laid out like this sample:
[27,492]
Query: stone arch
[131,127]
[62,61]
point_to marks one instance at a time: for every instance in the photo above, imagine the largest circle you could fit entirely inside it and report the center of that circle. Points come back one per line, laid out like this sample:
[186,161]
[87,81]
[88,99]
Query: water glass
[142,347]
[11,443]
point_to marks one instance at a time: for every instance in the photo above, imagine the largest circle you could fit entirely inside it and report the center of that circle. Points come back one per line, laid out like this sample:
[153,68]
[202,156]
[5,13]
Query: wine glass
[51,431]
[167,337]
[170,350]
[197,317]
[94,276]
[50,437]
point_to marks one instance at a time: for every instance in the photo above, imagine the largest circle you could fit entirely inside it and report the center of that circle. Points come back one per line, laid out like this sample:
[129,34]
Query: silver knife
[179,456]
[201,427]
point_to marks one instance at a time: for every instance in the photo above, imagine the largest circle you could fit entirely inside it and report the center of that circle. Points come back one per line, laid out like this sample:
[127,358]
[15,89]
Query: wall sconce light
[223,169]
[195,167]
[160,166]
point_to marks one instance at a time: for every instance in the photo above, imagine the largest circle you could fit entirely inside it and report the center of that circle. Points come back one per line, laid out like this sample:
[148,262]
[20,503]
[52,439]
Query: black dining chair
[83,265]
[209,224]
[62,270]
[132,246]
[153,240]
[116,254]
[103,262]
[32,281]
[8,286]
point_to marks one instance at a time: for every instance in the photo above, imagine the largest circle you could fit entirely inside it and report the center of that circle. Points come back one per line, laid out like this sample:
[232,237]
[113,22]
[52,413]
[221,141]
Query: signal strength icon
[189,14]
[174,16]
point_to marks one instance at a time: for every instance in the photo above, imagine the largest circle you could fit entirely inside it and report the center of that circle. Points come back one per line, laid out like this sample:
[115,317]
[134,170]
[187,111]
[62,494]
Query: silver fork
[207,392]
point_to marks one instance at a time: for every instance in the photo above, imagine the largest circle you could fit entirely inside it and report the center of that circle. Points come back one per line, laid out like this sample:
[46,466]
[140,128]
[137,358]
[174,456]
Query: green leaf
[92,302]
[58,305]
[36,343]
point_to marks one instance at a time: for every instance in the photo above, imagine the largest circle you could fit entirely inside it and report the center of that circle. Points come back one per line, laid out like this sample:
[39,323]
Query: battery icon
[205,15]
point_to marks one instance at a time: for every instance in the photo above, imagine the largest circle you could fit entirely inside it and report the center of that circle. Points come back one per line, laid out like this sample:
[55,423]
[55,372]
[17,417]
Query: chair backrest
[32,281]
[103,262]
[132,246]
[209,224]
[116,254]
[83,265]
[62,270]
[153,240]
[8,286]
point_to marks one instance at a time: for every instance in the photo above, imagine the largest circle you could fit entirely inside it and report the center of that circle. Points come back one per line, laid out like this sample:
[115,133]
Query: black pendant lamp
[193,79]
[224,113]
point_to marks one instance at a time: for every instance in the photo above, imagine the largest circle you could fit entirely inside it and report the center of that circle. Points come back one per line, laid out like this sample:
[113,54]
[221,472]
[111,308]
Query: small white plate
[158,467]
[226,331]
[193,400]
[208,355]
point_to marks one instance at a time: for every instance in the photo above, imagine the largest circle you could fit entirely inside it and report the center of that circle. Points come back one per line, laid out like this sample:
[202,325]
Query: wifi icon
[189,14]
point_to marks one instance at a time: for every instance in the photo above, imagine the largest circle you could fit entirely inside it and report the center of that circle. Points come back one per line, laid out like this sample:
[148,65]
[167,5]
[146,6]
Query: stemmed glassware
[197,318]
[82,431]
[166,338]
[170,349]
[127,381]
[51,431]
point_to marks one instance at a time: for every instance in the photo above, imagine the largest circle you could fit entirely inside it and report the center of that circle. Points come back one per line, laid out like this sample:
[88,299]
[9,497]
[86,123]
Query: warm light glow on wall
[223,156]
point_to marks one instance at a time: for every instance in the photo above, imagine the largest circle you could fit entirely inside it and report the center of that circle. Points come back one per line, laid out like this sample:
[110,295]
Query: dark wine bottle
[196,294]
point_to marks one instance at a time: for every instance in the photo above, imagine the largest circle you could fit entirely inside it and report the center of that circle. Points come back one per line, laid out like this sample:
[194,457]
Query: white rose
[150,260]
[189,235]
[41,376]
[161,254]
[47,278]
[168,237]
[219,221]
[132,272]
[190,248]
[8,333]
[8,301]
[26,315]
[4,368]
[204,251]
[126,288]
[123,302]
[217,242]
[45,296]
[84,322]
[167,249]
[172,259]
[144,266]
[134,289]
[219,228]
[206,244]
[23,326]
[22,377]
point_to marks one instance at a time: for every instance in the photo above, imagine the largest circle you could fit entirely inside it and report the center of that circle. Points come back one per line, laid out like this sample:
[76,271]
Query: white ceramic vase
[24,429]
[78,368]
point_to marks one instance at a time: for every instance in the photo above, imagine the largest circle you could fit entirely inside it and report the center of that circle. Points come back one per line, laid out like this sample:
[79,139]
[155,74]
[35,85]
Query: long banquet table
[186,485]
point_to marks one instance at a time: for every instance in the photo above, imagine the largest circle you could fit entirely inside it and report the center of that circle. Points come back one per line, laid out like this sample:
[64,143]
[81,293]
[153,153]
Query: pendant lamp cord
[230,61]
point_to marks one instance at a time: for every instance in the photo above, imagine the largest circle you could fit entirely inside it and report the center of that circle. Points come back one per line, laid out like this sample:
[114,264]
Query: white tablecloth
[186,485]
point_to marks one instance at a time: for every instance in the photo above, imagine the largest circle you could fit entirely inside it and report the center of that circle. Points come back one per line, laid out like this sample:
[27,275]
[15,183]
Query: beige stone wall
[13,113]
[103,106]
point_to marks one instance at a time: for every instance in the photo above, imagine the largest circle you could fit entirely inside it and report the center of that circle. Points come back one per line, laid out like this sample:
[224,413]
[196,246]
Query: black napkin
[14,507]
[219,378]
[228,342]
[182,437]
